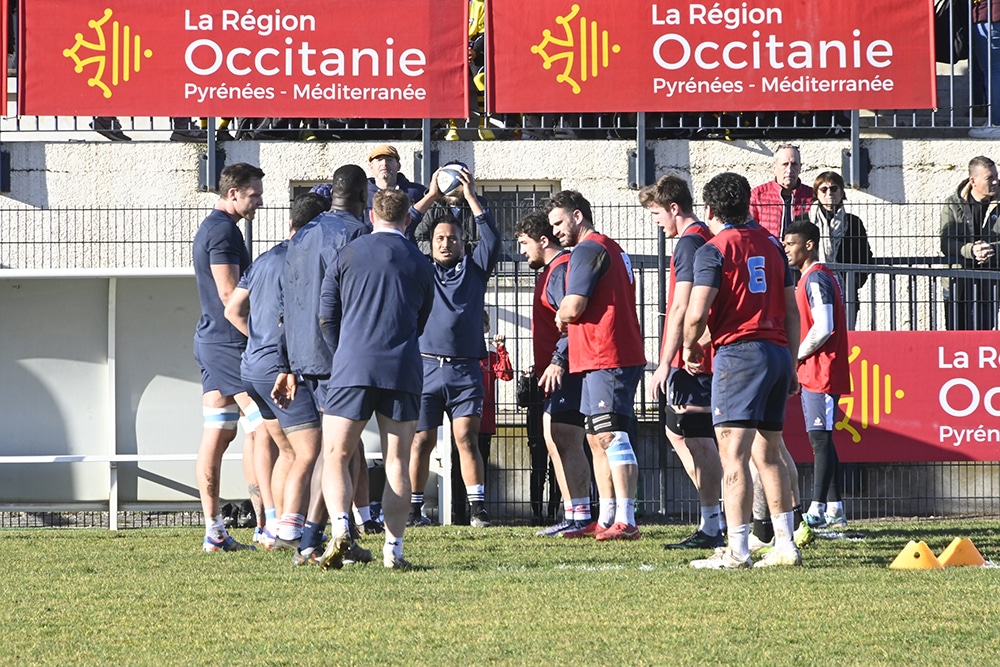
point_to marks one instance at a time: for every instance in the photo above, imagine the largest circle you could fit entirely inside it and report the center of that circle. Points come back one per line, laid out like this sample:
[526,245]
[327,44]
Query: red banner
[284,58]
[917,396]
[740,55]
[3,49]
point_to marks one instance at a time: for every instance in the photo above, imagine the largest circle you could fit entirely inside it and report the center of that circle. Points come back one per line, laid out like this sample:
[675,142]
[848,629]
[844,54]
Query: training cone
[961,551]
[916,556]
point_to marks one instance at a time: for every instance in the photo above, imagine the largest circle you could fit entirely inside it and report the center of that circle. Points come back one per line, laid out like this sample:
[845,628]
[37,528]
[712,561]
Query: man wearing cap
[383,164]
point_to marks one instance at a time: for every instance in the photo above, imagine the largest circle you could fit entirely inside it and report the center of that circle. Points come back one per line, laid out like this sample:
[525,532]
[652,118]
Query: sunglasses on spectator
[829,188]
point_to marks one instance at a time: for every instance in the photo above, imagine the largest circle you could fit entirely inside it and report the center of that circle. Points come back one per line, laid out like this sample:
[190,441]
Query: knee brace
[251,418]
[224,418]
[620,452]
[607,423]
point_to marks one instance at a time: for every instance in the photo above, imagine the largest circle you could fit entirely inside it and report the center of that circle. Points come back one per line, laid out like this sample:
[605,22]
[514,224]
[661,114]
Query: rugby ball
[448,181]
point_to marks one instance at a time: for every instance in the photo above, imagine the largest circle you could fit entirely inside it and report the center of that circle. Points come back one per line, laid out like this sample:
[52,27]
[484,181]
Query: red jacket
[767,206]
[495,366]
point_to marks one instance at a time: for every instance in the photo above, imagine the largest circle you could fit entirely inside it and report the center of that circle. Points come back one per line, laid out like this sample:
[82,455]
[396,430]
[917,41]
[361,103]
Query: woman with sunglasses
[844,239]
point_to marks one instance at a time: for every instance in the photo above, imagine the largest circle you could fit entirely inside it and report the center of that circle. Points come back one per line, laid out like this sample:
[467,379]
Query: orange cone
[916,556]
[961,551]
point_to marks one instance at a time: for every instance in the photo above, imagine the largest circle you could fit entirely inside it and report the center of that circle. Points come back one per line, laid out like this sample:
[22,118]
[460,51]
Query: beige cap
[383,150]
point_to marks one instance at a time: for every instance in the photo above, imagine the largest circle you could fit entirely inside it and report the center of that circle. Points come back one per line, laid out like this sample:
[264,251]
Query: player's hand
[694,357]
[283,392]
[793,386]
[468,182]
[432,188]
[658,386]
[499,339]
[561,325]
[551,379]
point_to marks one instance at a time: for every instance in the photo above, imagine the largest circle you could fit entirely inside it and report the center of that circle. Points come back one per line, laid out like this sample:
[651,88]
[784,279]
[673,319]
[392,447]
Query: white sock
[340,524]
[290,526]
[739,541]
[568,510]
[625,511]
[710,517]
[784,529]
[835,508]
[579,509]
[476,493]
[817,508]
[607,515]
[215,528]
[393,547]
[362,514]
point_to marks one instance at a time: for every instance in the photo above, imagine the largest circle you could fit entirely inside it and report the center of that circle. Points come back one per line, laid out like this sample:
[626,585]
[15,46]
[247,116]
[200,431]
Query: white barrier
[97,367]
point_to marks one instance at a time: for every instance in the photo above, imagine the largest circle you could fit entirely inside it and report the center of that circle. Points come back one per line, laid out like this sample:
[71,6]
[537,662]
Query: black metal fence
[906,290]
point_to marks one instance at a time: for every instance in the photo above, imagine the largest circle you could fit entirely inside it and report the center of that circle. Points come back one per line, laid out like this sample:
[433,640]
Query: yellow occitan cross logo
[871,396]
[584,52]
[117,54]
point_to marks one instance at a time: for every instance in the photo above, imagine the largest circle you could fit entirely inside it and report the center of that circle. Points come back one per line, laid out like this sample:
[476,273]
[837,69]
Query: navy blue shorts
[455,386]
[610,391]
[567,397]
[318,387]
[358,403]
[220,367]
[300,412]
[686,389]
[819,410]
[750,384]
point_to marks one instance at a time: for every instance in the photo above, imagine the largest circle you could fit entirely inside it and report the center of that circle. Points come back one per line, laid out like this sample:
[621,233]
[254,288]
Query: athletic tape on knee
[252,417]
[620,452]
[221,418]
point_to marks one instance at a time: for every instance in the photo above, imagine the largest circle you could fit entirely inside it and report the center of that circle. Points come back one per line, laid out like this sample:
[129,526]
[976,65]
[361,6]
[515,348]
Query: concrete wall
[905,176]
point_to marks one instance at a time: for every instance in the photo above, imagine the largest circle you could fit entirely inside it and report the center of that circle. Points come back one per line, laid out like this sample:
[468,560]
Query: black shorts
[689,424]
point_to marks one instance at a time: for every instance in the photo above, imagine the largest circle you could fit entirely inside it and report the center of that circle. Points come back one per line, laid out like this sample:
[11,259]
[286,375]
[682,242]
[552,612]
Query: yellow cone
[916,556]
[961,551]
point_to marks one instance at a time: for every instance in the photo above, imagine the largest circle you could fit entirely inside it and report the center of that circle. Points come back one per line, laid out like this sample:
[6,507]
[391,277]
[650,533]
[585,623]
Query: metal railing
[907,289]
[964,95]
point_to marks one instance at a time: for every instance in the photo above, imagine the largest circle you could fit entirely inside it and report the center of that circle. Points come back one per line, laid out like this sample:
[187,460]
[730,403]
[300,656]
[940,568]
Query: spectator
[776,203]
[109,127]
[843,237]
[383,164]
[477,72]
[985,56]
[530,397]
[970,238]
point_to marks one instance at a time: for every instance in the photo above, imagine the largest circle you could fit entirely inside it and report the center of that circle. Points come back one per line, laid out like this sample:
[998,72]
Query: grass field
[500,595]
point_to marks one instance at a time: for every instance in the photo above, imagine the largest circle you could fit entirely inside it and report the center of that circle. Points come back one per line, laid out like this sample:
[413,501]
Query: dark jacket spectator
[970,239]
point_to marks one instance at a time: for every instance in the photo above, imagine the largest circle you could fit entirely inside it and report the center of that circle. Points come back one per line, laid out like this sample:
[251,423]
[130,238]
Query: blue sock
[312,536]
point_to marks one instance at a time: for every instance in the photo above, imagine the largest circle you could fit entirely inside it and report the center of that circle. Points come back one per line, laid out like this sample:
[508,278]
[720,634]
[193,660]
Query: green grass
[502,595]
